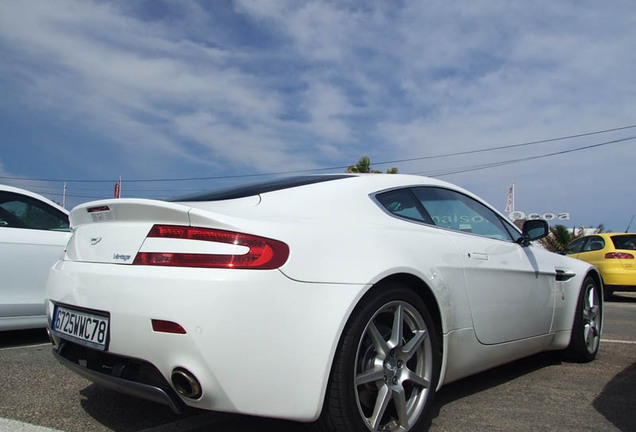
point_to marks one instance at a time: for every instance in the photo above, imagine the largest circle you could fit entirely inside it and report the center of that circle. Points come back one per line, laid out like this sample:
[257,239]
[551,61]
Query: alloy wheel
[393,368]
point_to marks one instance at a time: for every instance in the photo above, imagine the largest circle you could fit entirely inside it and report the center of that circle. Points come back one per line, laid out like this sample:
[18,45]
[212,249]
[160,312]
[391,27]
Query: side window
[402,203]
[19,211]
[576,246]
[452,210]
[595,243]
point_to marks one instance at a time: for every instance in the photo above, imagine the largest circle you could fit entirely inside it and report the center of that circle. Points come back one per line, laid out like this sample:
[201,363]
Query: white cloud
[261,85]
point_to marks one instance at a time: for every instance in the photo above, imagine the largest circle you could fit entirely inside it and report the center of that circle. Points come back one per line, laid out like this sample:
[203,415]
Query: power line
[461,153]
[451,171]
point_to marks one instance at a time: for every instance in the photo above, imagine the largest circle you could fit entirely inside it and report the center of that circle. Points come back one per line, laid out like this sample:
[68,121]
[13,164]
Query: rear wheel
[586,331]
[387,365]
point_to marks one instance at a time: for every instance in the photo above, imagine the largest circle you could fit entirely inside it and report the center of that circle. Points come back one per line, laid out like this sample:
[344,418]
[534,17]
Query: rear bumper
[131,376]
[620,278]
[245,329]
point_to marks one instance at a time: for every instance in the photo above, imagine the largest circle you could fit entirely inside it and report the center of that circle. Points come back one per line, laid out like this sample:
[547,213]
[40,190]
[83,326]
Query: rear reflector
[619,255]
[263,254]
[167,327]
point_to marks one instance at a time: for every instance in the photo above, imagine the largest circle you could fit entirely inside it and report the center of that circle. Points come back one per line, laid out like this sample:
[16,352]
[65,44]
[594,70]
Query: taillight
[619,255]
[263,253]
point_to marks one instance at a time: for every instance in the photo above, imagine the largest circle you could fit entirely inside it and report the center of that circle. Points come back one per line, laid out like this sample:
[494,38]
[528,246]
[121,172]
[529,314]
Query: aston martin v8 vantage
[342,300]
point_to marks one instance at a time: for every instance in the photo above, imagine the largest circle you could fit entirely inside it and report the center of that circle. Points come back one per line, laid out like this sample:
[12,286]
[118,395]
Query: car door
[33,236]
[509,286]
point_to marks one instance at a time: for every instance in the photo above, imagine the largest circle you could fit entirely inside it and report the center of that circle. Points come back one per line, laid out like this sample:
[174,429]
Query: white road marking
[25,346]
[8,425]
[618,341]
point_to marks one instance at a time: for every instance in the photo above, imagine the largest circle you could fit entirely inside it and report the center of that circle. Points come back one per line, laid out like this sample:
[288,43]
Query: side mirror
[533,230]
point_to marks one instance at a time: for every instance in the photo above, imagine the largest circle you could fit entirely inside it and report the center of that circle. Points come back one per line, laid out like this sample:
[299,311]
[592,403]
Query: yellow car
[613,254]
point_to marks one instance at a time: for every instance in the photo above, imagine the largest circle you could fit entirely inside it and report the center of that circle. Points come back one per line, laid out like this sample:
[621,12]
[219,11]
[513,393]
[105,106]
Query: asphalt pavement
[539,393]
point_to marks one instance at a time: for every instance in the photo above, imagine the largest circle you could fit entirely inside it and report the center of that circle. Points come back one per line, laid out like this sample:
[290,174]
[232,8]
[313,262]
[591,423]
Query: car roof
[608,234]
[347,188]
[368,182]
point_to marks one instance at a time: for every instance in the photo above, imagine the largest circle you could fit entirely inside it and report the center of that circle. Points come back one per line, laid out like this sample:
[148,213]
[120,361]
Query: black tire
[390,347]
[586,330]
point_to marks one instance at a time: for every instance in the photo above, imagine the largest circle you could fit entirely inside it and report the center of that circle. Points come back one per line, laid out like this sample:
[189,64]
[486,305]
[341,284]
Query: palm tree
[364,166]
[559,238]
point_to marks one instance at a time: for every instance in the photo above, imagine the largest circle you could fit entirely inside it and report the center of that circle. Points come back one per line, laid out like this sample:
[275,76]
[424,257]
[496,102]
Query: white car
[347,300]
[33,234]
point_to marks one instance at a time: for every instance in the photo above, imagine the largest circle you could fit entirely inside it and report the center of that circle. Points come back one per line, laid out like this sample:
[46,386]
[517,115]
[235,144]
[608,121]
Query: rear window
[257,188]
[624,242]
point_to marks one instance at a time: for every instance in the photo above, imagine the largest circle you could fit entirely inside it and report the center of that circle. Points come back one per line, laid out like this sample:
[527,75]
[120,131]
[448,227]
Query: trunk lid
[113,231]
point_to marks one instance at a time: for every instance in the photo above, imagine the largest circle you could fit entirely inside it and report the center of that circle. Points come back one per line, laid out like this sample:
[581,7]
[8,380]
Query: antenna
[630,223]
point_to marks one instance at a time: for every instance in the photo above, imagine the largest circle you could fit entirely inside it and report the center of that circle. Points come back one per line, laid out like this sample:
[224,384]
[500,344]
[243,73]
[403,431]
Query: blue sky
[155,90]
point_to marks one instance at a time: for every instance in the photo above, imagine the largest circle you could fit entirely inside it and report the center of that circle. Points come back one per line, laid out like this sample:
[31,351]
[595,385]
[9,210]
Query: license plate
[81,326]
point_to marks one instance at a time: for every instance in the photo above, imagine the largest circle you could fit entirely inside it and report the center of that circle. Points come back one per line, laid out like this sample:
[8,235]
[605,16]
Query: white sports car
[347,300]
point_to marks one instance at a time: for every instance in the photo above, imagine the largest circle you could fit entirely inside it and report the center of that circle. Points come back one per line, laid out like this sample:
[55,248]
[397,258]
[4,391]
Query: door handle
[478,256]
[564,274]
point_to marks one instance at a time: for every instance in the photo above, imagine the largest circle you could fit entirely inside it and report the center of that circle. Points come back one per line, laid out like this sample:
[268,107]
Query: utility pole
[64,197]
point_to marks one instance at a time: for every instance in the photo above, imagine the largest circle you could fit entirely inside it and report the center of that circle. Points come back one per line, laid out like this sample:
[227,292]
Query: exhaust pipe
[186,384]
